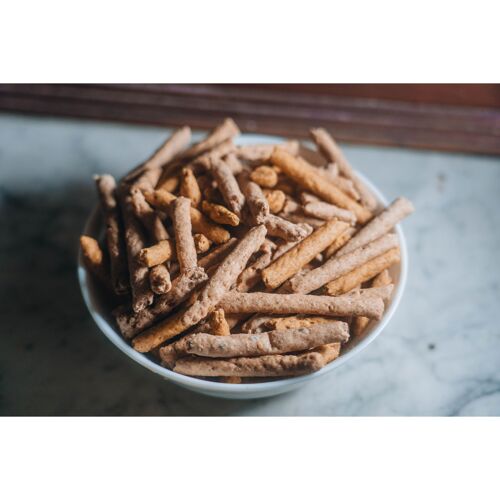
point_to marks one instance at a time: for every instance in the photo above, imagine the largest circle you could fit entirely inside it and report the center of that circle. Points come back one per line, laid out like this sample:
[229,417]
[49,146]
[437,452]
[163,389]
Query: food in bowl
[243,263]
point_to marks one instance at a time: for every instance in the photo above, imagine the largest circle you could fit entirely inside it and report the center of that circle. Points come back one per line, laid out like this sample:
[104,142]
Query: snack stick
[228,186]
[382,280]
[287,322]
[169,184]
[224,148]
[297,218]
[339,242]
[284,229]
[106,188]
[216,287]
[301,254]
[264,176]
[182,287]
[257,323]
[275,199]
[342,183]
[135,241]
[201,243]
[340,265]
[274,365]
[218,323]
[157,254]
[234,164]
[382,292]
[275,303]
[333,153]
[162,200]
[261,154]
[150,170]
[256,201]
[329,352]
[327,211]
[146,215]
[220,214]
[251,275]
[159,279]
[218,254]
[306,176]
[273,342]
[93,258]
[170,353]
[381,224]
[363,273]
[189,187]
[184,242]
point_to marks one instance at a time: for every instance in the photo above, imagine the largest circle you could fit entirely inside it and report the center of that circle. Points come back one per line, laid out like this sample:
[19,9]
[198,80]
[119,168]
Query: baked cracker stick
[275,303]
[222,280]
[259,344]
[251,275]
[220,214]
[256,201]
[93,259]
[218,323]
[106,188]
[184,242]
[159,279]
[150,170]
[275,365]
[189,187]
[340,265]
[329,352]
[342,183]
[264,176]
[363,273]
[182,288]
[135,241]
[339,242]
[380,292]
[381,224]
[332,152]
[301,254]
[327,211]
[287,322]
[261,154]
[228,186]
[284,229]
[276,200]
[218,254]
[298,218]
[382,280]
[306,176]
[157,254]
[170,353]
[162,199]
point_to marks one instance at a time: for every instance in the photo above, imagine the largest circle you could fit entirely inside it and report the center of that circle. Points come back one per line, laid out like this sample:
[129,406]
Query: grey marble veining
[440,355]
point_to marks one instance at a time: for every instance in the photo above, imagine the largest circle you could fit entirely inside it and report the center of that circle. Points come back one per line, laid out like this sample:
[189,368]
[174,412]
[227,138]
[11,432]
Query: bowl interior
[100,308]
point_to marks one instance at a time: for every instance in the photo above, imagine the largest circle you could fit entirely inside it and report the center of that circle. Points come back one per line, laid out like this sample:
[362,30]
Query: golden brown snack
[327,211]
[201,243]
[264,176]
[218,254]
[276,200]
[218,323]
[157,254]
[284,323]
[363,273]
[300,255]
[306,176]
[339,242]
[329,352]
[159,279]
[93,258]
[220,214]
[189,187]
[228,186]
[106,187]
[184,242]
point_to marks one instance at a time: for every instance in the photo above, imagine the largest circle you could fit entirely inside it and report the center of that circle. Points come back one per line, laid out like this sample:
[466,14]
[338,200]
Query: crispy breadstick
[135,241]
[224,148]
[284,229]
[106,186]
[220,214]
[339,242]
[93,258]
[340,265]
[170,353]
[274,365]
[274,342]
[201,243]
[333,153]
[169,184]
[327,211]
[298,218]
[218,323]
[363,273]
[276,200]
[184,243]
[228,187]
[218,254]
[182,287]
[342,183]
[307,177]
[256,201]
[275,303]
[189,187]
[329,352]
[261,154]
[159,279]
[223,278]
[147,216]
[162,200]
[264,176]
[287,322]
[147,175]
[300,255]
[234,164]
[380,292]
[251,275]
[381,224]
[157,254]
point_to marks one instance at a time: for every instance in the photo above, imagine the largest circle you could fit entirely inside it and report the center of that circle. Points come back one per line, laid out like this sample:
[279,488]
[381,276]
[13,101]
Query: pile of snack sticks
[244,261]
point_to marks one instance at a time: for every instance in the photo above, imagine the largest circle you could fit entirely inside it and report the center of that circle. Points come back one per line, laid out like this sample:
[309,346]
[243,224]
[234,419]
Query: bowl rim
[233,389]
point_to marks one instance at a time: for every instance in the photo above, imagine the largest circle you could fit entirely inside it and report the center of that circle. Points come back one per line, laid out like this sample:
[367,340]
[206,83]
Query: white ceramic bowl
[100,312]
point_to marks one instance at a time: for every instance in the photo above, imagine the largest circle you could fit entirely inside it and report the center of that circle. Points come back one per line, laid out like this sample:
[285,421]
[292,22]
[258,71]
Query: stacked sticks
[247,261]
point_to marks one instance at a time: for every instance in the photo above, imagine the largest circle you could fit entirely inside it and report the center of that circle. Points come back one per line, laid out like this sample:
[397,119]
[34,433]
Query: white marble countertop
[440,355]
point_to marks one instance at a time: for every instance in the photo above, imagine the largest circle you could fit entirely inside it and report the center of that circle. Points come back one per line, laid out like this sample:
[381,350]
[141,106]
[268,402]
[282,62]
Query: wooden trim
[288,110]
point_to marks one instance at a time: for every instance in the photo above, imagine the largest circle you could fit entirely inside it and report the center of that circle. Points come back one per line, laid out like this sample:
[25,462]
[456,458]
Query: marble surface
[440,355]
